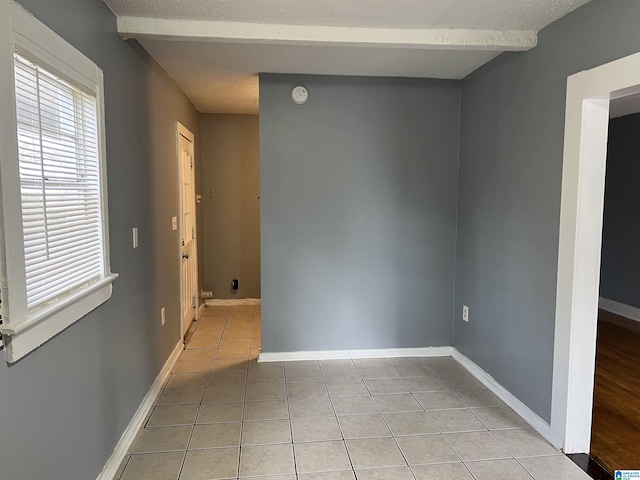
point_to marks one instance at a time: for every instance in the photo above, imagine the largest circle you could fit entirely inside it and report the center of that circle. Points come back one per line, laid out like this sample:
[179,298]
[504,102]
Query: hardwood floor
[615,441]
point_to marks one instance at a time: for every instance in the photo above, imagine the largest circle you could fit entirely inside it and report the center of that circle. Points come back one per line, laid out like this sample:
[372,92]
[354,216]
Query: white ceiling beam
[263,33]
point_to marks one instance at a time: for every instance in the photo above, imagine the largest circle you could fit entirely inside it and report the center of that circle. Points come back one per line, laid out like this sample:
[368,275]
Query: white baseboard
[627,311]
[216,302]
[345,354]
[200,311]
[120,451]
[507,397]
[487,380]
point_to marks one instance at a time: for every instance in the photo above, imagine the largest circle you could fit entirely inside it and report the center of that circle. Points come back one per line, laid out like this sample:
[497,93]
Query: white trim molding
[622,309]
[347,354]
[216,302]
[200,310]
[185,132]
[532,418]
[580,241]
[120,451]
[25,328]
[26,337]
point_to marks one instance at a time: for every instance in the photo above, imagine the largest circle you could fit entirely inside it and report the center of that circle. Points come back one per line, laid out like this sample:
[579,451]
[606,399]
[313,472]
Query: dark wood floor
[615,441]
[590,466]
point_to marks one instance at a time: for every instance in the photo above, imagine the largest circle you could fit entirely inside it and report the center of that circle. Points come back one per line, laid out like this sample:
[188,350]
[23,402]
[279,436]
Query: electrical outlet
[465,313]
[162,316]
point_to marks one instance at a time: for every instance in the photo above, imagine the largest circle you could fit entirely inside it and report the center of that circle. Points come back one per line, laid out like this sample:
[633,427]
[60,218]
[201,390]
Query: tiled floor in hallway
[222,415]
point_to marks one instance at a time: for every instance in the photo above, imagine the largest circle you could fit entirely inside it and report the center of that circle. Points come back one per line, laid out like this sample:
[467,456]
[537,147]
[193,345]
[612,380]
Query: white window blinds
[59,172]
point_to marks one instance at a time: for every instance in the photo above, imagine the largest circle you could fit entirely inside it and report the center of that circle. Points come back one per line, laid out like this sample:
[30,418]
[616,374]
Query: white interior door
[188,250]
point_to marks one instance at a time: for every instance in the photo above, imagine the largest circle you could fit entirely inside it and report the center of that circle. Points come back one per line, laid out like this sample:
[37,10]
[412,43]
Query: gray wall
[64,406]
[230,163]
[358,213]
[512,127]
[620,268]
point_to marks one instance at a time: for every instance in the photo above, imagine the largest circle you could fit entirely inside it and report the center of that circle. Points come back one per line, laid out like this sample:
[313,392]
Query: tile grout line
[244,402]
[466,408]
[184,458]
[394,436]
[524,468]
[395,440]
[344,439]
[293,444]
[204,390]
[423,410]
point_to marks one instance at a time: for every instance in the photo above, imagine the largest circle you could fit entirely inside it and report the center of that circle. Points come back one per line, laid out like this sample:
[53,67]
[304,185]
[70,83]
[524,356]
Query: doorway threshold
[590,466]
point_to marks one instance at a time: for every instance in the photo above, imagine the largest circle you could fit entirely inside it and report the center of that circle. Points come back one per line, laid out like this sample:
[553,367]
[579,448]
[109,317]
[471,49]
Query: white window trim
[23,331]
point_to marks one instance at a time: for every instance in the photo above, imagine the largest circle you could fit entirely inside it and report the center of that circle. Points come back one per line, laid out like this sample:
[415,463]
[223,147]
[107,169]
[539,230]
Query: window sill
[22,338]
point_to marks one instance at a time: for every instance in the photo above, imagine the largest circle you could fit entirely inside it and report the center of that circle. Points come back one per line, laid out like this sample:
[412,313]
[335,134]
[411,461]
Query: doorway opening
[616,410]
[581,217]
[230,186]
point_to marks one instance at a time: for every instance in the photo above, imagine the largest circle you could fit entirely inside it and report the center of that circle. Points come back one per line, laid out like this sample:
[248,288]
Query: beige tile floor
[222,415]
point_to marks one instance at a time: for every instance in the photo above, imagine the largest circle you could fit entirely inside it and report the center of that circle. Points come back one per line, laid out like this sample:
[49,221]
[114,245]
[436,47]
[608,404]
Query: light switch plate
[174,223]
[135,237]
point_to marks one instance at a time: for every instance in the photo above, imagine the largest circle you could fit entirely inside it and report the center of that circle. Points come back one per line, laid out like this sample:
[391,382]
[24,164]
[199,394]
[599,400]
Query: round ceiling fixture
[299,95]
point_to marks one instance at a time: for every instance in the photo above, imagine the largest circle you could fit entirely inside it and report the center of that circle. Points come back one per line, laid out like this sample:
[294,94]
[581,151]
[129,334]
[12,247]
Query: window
[55,262]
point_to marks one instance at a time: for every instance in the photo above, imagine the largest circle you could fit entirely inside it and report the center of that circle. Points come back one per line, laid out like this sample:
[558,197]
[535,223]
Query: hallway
[222,415]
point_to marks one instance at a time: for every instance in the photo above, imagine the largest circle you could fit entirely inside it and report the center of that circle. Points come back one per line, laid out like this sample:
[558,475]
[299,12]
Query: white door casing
[187,220]
[580,242]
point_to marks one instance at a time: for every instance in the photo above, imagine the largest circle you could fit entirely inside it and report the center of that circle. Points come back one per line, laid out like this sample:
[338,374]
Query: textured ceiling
[214,49]
[478,14]
[227,82]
